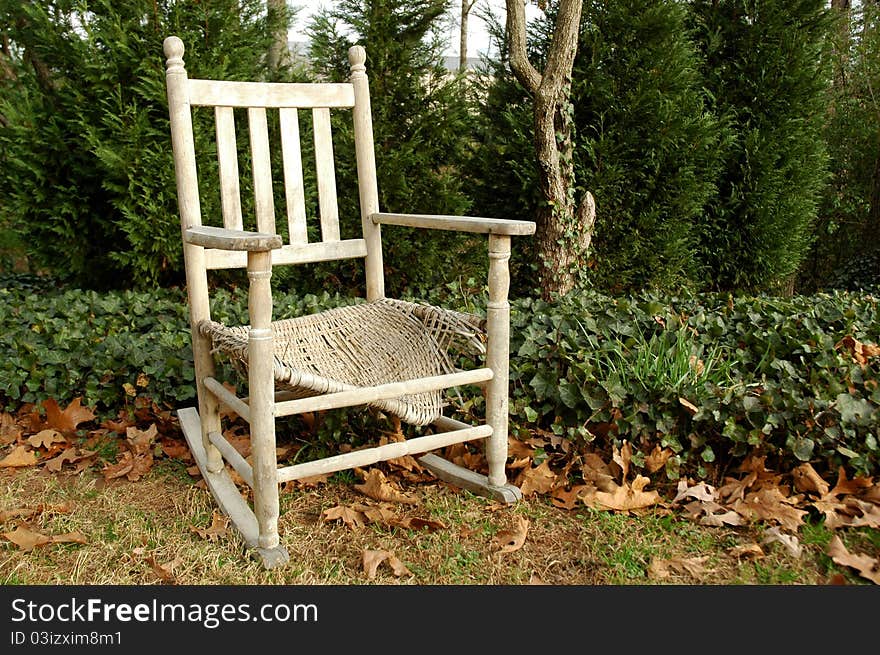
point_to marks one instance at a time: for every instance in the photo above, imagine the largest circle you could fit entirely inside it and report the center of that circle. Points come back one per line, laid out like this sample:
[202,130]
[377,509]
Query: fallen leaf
[519,449]
[10,431]
[419,524]
[508,541]
[20,456]
[657,458]
[69,419]
[806,479]
[661,569]
[23,513]
[718,519]
[121,467]
[82,459]
[217,529]
[625,497]
[622,457]
[860,352]
[597,472]
[27,539]
[746,551]
[376,513]
[176,449]
[352,518]
[853,487]
[789,541]
[700,491]
[689,406]
[868,567]
[45,438]
[165,572]
[371,559]
[378,487]
[569,498]
[137,461]
[769,504]
[536,480]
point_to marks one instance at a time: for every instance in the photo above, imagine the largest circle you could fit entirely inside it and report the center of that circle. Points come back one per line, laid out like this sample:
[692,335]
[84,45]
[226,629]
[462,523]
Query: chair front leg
[497,357]
[261,383]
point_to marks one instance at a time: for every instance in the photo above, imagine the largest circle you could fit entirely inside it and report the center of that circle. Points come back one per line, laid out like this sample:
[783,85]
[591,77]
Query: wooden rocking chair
[381,352]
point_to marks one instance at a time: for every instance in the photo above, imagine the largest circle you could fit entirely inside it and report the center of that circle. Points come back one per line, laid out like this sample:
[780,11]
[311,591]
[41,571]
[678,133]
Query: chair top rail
[303,95]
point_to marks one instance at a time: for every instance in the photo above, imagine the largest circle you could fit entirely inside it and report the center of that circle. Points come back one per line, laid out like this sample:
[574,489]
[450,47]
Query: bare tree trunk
[278,50]
[564,222]
[6,70]
[466,6]
[842,43]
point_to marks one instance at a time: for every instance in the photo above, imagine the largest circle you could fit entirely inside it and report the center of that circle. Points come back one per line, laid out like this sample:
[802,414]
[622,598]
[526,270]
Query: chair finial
[357,57]
[173,47]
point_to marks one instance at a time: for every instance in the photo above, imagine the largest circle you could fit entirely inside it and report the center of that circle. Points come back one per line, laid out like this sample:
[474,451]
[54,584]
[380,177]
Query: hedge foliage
[709,376]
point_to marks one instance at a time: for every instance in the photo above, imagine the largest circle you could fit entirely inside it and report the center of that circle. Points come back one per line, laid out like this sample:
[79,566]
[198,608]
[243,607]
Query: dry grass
[144,532]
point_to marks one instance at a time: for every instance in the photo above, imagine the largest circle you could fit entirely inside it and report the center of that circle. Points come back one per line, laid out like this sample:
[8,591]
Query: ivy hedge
[711,377]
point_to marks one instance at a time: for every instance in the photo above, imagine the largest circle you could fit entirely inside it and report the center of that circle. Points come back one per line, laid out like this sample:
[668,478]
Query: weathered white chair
[381,352]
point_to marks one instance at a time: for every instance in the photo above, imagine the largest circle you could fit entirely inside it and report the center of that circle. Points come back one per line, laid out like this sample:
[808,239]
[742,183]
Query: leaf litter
[570,477]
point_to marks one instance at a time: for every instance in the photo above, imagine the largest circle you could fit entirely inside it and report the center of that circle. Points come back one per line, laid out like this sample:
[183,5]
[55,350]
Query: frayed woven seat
[363,345]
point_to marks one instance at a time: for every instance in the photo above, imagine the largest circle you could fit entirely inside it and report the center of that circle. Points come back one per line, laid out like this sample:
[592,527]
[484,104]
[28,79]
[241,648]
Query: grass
[143,532]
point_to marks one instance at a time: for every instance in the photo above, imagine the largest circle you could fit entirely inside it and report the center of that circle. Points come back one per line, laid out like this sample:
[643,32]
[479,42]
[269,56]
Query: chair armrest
[457,223]
[225,239]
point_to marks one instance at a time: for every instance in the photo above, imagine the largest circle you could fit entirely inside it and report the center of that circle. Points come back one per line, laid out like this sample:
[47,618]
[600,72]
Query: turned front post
[497,353]
[261,390]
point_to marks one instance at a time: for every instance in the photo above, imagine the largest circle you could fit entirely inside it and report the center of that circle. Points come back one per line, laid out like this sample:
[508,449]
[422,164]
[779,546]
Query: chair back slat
[294,193]
[262,94]
[264,204]
[279,147]
[326,174]
[227,156]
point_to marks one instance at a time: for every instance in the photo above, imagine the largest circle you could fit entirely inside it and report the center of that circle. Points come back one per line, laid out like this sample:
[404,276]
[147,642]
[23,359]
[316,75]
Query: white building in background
[299,51]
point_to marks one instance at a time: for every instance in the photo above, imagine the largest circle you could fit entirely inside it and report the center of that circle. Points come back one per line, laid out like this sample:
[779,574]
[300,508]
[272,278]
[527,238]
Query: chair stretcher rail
[232,456]
[364,395]
[369,456]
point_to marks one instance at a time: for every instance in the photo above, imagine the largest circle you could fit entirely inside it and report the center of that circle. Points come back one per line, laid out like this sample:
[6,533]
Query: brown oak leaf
[625,497]
[350,517]
[45,438]
[536,480]
[806,479]
[27,539]
[371,559]
[867,566]
[378,487]
[68,420]
[20,456]
[217,529]
[10,431]
[508,541]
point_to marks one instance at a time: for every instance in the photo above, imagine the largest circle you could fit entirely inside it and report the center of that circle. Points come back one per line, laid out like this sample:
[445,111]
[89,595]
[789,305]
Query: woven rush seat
[362,345]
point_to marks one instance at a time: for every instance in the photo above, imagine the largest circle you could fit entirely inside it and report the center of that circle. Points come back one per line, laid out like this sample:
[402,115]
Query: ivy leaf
[853,410]
[544,386]
[803,448]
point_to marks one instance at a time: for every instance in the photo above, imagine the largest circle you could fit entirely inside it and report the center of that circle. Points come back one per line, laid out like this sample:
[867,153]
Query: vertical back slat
[293,176]
[264,205]
[227,158]
[326,174]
